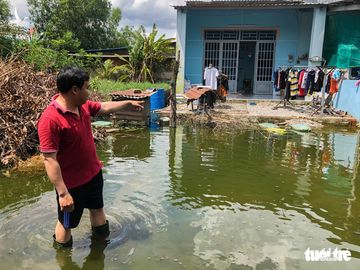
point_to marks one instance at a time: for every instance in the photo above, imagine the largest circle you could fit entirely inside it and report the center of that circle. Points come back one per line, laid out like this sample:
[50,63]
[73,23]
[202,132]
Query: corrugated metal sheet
[131,94]
[257,3]
[196,92]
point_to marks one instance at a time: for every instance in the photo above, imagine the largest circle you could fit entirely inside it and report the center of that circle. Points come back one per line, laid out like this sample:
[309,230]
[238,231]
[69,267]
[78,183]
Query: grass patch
[105,87]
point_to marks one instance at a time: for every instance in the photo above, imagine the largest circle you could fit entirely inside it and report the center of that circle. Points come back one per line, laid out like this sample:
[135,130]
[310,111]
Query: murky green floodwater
[198,200]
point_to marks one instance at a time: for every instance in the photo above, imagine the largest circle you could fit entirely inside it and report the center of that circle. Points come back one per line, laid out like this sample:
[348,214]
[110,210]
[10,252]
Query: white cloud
[21,6]
[134,12]
[148,12]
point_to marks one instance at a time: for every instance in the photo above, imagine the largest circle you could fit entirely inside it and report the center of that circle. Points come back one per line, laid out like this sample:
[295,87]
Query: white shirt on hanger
[210,77]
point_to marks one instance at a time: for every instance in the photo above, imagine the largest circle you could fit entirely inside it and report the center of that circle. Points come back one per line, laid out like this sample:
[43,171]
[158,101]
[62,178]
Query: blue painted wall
[348,98]
[293,37]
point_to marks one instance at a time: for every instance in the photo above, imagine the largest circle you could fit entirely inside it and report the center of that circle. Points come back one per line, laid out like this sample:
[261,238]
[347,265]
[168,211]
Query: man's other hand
[66,203]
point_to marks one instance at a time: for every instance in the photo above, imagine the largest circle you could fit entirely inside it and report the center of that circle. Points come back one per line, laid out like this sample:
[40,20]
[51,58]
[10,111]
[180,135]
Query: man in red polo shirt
[68,148]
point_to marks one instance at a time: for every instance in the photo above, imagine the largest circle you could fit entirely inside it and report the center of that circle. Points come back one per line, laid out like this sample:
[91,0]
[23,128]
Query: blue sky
[134,12]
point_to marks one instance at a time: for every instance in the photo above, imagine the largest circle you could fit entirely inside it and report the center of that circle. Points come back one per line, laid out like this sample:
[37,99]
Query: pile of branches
[24,94]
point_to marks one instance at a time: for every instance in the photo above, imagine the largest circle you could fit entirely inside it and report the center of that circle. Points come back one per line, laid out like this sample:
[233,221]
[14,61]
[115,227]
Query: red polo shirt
[71,137]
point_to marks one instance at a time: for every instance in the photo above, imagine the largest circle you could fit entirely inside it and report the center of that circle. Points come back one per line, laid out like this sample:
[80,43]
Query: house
[248,39]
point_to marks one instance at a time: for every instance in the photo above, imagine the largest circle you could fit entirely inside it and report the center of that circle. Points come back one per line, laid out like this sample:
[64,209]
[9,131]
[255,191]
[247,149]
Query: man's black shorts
[89,195]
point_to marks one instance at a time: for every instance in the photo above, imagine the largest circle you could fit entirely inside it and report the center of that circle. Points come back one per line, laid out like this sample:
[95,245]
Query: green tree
[4,11]
[147,53]
[156,52]
[126,36]
[92,23]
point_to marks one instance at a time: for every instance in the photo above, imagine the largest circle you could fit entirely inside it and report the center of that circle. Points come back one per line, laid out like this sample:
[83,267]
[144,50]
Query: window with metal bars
[240,35]
[212,35]
[230,35]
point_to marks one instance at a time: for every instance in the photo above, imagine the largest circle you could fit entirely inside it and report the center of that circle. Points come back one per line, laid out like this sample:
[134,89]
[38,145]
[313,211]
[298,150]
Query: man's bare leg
[99,224]
[97,217]
[62,235]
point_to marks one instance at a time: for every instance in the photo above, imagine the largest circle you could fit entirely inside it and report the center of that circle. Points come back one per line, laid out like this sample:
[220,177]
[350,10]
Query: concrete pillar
[317,36]
[180,46]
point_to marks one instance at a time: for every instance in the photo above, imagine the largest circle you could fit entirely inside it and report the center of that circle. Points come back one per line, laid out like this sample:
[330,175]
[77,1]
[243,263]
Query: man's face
[82,94]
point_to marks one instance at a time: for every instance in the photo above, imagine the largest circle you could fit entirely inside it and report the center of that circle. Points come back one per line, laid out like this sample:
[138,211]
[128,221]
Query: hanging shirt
[276,80]
[310,82]
[334,81]
[327,86]
[336,74]
[334,86]
[319,80]
[282,79]
[304,81]
[301,79]
[210,77]
[294,83]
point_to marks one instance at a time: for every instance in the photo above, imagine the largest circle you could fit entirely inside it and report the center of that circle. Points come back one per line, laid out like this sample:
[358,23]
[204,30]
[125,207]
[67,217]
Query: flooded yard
[193,199]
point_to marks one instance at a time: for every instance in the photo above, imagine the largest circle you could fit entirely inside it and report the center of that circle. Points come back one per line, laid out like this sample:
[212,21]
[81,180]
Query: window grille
[230,35]
[240,35]
[213,35]
[212,54]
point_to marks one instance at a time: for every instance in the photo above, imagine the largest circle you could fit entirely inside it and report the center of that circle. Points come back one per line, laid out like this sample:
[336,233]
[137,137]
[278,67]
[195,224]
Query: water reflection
[191,198]
[134,144]
[313,174]
[94,260]
[21,187]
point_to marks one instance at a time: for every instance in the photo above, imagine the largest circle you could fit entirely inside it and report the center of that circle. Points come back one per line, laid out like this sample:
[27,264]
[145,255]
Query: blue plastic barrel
[157,100]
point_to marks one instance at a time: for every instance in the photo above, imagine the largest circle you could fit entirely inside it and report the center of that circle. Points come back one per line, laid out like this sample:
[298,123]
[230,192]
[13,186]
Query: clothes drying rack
[324,102]
[286,99]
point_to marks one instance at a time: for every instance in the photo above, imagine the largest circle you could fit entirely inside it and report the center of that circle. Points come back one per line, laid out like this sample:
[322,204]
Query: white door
[264,64]
[229,65]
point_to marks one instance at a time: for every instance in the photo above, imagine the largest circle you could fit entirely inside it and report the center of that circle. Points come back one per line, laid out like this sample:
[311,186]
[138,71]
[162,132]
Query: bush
[40,58]
[47,59]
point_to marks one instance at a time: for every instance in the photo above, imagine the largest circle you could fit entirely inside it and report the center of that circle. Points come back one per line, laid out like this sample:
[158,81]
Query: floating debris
[272,128]
[268,125]
[132,250]
[301,127]
[101,124]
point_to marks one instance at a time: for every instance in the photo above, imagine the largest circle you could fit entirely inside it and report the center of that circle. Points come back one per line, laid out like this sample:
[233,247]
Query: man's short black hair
[69,77]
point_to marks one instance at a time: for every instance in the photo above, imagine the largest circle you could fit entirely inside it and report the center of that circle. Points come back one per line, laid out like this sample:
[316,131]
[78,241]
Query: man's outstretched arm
[126,105]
